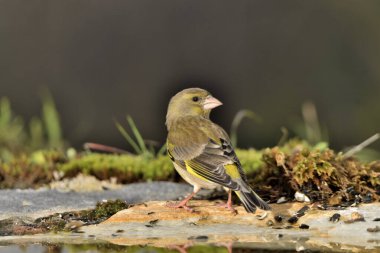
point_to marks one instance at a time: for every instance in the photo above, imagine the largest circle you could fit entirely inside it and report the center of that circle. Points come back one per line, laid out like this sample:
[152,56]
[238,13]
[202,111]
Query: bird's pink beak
[210,103]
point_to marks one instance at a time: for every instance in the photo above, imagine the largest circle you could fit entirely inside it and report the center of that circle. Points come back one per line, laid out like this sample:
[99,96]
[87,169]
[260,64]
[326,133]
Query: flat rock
[155,224]
[43,202]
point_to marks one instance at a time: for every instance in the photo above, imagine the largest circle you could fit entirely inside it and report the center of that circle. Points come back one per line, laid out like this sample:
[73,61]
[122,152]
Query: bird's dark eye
[195,99]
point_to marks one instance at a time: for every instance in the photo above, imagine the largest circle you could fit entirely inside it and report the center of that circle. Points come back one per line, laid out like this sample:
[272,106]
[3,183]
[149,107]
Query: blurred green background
[101,60]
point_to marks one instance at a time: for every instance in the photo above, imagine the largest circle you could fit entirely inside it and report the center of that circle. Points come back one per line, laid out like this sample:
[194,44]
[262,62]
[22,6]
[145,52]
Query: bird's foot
[180,205]
[229,207]
[180,248]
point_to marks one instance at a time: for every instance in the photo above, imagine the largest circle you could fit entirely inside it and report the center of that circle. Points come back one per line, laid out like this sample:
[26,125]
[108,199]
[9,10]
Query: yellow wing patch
[193,172]
[232,170]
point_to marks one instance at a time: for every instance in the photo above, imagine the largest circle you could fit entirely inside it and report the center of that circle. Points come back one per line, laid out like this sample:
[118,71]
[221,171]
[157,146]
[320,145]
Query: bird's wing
[207,153]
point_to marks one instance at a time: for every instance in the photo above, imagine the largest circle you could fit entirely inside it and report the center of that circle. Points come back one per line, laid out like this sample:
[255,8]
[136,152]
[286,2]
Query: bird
[201,151]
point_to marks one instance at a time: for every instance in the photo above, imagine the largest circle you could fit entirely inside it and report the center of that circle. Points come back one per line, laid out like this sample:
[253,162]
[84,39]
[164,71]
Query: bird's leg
[183,203]
[228,205]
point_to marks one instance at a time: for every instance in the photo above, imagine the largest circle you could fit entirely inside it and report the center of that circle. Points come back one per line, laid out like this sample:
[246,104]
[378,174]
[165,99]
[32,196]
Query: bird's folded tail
[251,200]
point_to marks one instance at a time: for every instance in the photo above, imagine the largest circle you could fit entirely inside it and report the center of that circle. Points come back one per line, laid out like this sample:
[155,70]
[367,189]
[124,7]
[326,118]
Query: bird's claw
[229,207]
[180,205]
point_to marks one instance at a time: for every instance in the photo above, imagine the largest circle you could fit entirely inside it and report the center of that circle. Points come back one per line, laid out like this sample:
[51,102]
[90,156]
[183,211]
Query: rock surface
[43,202]
[289,226]
[155,224]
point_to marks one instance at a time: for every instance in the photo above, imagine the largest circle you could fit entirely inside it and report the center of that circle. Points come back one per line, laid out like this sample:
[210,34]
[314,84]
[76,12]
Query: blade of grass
[162,150]
[237,121]
[284,136]
[137,134]
[128,138]
[361,146]
[51,121]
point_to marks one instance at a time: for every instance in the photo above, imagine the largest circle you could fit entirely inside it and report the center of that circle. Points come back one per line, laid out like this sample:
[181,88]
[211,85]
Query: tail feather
[251,200]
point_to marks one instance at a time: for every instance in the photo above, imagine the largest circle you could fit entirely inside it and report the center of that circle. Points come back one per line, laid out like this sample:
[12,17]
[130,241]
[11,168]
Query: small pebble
[293,219]
[281,200]
[374,230]
[304,226]
[335,217]
[278,218]
[355,216]
[73,225]
[301,197]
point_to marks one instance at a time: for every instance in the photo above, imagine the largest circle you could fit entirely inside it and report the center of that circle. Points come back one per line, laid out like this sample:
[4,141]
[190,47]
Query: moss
[126,168]
[279,171]
[250,160]
[30,171]
[321,174]
[102,211]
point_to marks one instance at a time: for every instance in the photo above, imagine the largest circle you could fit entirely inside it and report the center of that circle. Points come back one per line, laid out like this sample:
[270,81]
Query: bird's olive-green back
[189,135]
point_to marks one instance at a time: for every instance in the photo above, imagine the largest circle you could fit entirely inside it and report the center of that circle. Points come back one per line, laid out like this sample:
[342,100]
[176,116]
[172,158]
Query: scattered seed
[304,226]
[113,235]
[263,216]
[280,235]
[376,219]
[335,217]
[119,231]
[293,219]
[278,218]
[374,230]
[269,223]
[302,211]
[153,222]
[149,226]
[367,198]
[200,238]
[150,213]
[78,232]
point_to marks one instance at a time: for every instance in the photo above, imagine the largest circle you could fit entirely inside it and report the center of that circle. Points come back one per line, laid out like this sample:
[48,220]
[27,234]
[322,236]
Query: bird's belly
[193,180]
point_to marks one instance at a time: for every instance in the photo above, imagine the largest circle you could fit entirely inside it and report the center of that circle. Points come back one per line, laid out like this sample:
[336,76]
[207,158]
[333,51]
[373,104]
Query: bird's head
[191,102]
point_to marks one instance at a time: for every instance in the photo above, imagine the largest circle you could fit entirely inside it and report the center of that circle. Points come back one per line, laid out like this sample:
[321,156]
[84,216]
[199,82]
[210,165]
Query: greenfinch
[201,151]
